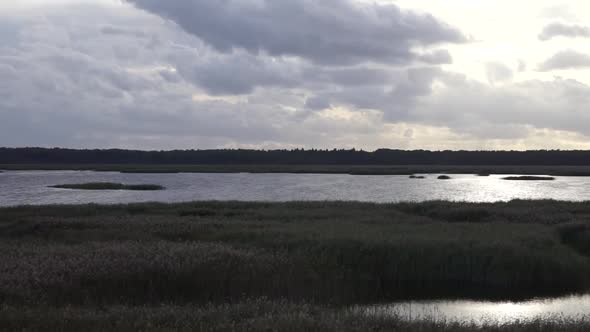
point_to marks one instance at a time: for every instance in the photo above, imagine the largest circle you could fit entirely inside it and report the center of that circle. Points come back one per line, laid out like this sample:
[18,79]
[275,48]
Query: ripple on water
[18,188]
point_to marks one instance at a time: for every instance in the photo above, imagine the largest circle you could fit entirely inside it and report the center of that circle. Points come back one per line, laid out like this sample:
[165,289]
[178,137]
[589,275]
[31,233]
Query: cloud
[240,73]
[316,77]
[70,85]
[568,59]
[498,72]
[329,32]
[564,30]
[438,57]
[116,31]
[116,76]
[469,107]
[81,85]
[561,11]
[396,98]
[317,103]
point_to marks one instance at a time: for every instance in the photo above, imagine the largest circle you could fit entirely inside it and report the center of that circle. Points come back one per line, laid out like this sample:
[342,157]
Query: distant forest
[291,157]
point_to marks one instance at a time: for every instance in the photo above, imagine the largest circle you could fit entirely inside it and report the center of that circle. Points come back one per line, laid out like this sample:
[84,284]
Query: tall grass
[319,252]
[157,265]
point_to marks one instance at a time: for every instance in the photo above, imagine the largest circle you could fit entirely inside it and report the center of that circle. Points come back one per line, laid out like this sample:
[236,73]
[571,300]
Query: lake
[492,313]
[31,187]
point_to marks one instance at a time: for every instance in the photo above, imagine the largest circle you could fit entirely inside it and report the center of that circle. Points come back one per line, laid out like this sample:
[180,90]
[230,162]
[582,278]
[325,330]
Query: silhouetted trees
[292,157]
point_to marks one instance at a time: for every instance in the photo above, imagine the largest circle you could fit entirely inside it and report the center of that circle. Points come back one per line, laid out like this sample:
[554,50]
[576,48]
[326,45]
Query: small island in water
[109,186]
[529,178]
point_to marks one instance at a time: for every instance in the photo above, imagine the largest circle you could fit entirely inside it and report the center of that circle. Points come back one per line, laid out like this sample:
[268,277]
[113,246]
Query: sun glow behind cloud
[507,31]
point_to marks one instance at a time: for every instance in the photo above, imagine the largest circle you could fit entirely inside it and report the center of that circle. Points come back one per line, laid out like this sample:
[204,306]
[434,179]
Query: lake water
[494,313]
[31,187]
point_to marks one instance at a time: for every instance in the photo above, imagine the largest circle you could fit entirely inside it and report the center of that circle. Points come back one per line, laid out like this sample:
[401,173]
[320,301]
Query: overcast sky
[408,74]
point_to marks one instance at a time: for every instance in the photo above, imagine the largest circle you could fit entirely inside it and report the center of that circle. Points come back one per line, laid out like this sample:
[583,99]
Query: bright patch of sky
[507,31]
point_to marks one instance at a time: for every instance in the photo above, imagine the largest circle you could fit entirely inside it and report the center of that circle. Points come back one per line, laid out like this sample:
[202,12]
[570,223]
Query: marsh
[324,257]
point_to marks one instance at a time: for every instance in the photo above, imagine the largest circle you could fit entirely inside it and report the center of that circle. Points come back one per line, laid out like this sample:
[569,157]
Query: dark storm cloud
[568,59]
[564,30]
[326,32]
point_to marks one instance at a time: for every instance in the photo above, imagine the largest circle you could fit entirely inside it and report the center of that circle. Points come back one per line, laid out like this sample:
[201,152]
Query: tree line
[292,157]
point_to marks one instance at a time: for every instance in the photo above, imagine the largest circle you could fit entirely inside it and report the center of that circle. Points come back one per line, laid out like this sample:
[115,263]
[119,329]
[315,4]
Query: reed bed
[153,256]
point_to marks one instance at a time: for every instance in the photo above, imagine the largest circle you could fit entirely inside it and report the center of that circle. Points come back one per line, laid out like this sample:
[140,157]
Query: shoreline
[311,169]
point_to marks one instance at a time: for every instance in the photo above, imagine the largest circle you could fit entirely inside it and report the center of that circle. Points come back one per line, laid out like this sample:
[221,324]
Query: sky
[268,74]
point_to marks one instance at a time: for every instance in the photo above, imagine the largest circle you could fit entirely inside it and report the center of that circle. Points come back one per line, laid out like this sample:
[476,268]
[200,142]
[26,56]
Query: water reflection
[566,308]
[18,188]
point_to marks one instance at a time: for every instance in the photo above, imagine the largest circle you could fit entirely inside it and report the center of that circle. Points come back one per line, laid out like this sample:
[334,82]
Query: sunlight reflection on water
[565,308]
